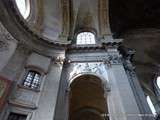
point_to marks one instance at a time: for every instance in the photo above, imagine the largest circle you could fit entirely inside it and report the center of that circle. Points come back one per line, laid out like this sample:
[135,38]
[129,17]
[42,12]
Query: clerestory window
[24,7]
[158,82]
[151,106]
[85,38]
[32,80]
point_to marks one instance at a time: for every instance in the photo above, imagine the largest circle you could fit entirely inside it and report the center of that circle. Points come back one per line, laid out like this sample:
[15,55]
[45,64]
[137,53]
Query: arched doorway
[86,99]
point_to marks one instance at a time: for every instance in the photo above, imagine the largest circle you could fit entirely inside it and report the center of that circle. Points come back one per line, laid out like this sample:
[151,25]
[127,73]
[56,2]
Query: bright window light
[158,81]
[85,38]
[151,105]
[24,7]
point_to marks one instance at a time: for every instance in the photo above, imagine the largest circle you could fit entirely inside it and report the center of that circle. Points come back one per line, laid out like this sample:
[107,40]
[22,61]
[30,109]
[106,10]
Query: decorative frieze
[92,68]
[86,68]
[106,58]
[59,60]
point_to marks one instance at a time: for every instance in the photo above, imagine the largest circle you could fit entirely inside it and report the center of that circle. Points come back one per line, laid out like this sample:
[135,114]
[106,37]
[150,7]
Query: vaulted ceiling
[57,15]
[124,15]
[58,18]
[131,14]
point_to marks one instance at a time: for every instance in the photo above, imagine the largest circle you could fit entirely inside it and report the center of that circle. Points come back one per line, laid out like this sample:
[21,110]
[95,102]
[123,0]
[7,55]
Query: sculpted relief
[95,68]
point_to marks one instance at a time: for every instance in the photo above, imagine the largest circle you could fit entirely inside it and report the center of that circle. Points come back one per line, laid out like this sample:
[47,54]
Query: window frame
[156,83]
[33,16]
[25,78]
[17,115]
[24,75]
[147,96]
[17,111]
[81,30]
[89,32]
[28,4]
[156,87]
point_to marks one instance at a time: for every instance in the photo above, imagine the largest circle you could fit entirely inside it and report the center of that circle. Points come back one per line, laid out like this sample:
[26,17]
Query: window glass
[158,81]
[24,7]
[32,80]
[15,116]
[85,38]
[151,105]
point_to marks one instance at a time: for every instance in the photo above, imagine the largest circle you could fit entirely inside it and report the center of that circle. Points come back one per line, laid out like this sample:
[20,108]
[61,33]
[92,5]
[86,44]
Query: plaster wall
[48,99]
[12,71]
[121,101]
[38,104]
[15,65]
[7,46]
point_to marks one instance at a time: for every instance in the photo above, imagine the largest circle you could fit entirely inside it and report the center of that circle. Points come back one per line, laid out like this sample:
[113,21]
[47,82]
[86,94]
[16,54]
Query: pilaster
[7,46]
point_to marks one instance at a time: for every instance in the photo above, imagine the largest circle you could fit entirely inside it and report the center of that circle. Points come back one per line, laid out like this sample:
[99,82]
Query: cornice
[32,38]
[9,7]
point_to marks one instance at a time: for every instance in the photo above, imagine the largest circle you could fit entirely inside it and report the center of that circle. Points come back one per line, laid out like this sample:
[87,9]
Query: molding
[106,58]
[59,60]
[66,20]
[22,104]
[104,26]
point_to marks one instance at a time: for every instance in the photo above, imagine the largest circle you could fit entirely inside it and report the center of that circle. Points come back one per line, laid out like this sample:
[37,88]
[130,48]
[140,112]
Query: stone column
[137,91]
[48,98]
[121,100]
[104,26]
[62,106]
[66,21]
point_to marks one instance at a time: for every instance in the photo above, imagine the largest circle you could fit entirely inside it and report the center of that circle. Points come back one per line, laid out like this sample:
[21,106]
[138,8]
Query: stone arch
[86,98]
[105,82]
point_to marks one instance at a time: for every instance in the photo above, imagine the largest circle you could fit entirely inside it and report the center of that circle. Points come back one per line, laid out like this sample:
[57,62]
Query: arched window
[151,105]
[85,38]
[24,7]
[158,82]
[32,80]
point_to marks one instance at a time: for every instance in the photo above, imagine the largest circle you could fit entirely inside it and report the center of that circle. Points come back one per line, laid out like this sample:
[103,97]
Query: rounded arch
[31,14]
[85,38]
[104,81]
[86,96]
[35,68]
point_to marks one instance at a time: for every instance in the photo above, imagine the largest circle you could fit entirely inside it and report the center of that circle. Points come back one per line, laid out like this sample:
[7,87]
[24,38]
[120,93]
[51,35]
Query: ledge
[26,88]
[22,104]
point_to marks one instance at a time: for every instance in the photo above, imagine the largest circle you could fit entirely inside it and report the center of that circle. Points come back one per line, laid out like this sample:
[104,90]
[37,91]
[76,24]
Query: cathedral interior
[79,60]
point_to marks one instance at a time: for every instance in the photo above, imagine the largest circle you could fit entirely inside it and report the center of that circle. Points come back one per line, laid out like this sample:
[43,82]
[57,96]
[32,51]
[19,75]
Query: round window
[158,81]
[24,7]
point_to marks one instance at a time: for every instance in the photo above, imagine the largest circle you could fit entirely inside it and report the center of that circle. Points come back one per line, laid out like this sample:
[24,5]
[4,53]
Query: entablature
[111,56]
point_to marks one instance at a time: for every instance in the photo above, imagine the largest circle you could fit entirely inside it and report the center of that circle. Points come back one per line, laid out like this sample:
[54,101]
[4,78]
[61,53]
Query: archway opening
[86,99]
